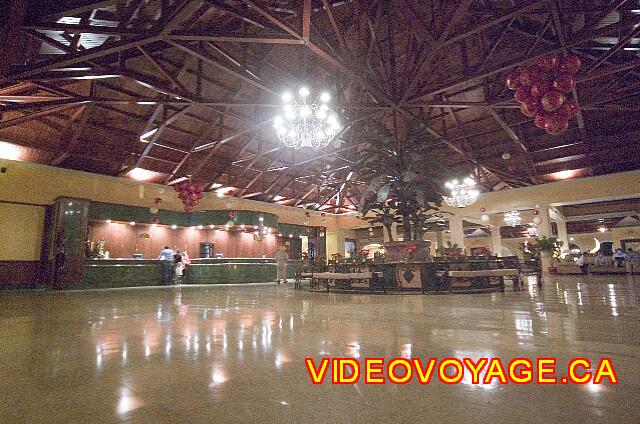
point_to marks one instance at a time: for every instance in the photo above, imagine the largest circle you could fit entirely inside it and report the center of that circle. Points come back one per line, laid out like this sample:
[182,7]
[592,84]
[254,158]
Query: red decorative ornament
[232,214]
[548,63]
[570,64]
[540,120]
[155,220]
[536,212]
[522,94]
[552,101]
[540,88]
[190,194]
[564,83]
[529,76]
[483,209]
[530,107]
[569,109]
[556,125]
[513,80]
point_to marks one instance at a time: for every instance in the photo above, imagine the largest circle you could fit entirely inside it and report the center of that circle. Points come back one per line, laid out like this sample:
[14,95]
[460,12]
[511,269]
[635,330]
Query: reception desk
[108,273]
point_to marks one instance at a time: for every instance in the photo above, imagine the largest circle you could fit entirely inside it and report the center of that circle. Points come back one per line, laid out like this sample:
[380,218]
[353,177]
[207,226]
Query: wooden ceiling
[83,80]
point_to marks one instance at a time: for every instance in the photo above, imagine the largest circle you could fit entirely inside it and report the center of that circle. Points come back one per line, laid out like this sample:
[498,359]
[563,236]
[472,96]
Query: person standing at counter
[166,258]
[178,267]
[281,264]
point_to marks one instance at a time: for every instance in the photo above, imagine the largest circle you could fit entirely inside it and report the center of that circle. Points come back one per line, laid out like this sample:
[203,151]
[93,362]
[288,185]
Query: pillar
[439,241]
[67,237]
[457,232]
[562,235]
[496,240]
[544,230]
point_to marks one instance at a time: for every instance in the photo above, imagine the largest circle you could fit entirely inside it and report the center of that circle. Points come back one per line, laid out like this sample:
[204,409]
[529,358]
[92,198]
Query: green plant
[406,177]
[550,245]
[451,249]
[385,215]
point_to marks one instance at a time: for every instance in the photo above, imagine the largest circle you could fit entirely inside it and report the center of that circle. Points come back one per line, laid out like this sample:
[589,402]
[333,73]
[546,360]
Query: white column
[496,240]
[562,235]
[544,228]
[457,233]
[439,241]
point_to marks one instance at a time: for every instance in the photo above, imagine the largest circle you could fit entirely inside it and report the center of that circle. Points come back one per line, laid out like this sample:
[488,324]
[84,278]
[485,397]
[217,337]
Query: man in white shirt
[166,259]
[281,264]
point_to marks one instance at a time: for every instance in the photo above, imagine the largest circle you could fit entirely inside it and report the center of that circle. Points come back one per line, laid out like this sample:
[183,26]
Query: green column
[68,235]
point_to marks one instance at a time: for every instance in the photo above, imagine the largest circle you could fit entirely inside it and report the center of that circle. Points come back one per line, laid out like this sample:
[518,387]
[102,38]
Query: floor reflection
[235,353]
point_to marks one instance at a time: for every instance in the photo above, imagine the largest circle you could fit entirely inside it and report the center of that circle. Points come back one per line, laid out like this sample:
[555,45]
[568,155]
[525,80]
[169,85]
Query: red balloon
[557,124]
[540,88]
[513,80]
[529,76]
[570,64]
[530,107]
[564,83]
[548,63]
[522,94]
[552,101]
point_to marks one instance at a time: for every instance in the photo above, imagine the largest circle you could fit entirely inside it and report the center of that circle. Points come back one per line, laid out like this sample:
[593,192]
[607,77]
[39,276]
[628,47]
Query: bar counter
[108,273]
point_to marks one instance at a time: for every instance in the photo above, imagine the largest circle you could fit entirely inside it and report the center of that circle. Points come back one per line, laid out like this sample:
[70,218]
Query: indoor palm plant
[406,182]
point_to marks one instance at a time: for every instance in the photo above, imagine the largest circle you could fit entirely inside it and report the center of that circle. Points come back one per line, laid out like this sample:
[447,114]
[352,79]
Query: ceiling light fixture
[463,193]
[141,174]
[512,218]
[10,151]
[305,122]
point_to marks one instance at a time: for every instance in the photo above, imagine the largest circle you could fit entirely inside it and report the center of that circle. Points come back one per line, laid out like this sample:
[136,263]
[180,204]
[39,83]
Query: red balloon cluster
[543,91]
[190,194]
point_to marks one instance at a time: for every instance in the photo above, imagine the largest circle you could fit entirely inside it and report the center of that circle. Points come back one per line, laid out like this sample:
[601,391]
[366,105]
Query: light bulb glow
[307,122]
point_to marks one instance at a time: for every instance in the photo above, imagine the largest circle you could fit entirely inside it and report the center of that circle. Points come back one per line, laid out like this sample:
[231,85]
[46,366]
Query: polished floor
[235,354]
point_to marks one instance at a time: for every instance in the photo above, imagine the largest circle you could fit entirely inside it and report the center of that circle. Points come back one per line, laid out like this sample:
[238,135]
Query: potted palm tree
[405,187]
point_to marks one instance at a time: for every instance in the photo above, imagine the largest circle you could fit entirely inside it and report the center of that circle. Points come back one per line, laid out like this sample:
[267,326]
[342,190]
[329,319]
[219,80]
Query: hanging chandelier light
[512,218]
[532,230]
[462,193]
[306,122]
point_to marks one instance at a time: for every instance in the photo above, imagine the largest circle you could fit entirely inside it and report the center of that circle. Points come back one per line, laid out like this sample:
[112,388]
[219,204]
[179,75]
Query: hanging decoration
[154,209]
[544,91]
[462,193]
[306,122]
[532,230]
[307,217]
[512,218]
[232,220]
[190,194]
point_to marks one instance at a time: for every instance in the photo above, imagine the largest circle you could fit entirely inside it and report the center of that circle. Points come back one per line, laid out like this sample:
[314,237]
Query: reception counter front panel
[107,273]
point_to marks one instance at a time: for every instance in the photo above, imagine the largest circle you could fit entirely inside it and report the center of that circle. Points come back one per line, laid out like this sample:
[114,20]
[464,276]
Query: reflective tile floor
[235,354]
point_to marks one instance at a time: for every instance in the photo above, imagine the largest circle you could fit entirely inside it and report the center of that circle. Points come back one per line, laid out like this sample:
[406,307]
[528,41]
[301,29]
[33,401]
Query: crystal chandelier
[462,194]
[306,123]
[512,218]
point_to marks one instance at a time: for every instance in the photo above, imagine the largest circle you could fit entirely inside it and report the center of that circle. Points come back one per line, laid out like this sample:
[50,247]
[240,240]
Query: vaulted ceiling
[83,80]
